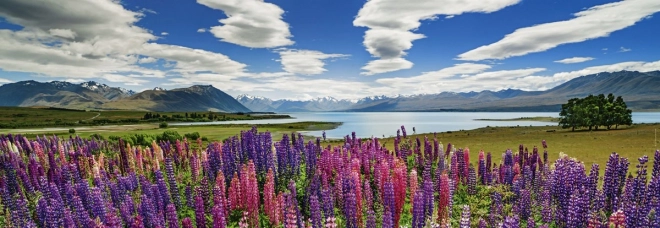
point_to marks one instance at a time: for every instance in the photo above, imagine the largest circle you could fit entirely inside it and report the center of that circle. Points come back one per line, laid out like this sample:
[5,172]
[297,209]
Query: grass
[587,146]
[212,132]
[34,117]
[536,118]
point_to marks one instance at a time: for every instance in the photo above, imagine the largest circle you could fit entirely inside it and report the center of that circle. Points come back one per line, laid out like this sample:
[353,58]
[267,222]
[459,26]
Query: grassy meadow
[34,117]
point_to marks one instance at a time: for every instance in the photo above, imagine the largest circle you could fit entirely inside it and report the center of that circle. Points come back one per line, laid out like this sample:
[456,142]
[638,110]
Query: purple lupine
[523,207]
[218,217]
[315,211]
[328,203]
[656,164]
[482,223]
[98,208]
[174,190]
[418,215]
[190,202]
[512,222]
[472,181]
[371,219]
[200,219]
[170,215]
[403,130]
[387,218]
[577,211]
[465,217]
[350,203]
[496,208]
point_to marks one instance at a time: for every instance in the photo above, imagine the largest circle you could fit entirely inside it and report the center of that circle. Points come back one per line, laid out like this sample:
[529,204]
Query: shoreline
[535,118]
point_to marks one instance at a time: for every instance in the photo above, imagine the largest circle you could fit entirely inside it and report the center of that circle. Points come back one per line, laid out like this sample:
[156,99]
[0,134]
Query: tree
[595,111]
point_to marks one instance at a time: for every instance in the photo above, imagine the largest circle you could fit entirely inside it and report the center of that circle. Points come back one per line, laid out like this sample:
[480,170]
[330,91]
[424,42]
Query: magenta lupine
[443,202]
[186,223]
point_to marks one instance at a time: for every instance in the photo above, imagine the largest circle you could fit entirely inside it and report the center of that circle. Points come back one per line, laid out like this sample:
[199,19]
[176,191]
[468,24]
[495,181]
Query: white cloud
[164,33]
[250,23]
[201,30]
[64,33]
[390,23]
[595,22]
[622,49]
[126,80]
[306,62]
[147,60]
[92,39]
[190,60]
[574,60]
[386,65]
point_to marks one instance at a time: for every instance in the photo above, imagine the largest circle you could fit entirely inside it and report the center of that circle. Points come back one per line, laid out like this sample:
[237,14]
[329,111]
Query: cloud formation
[574,60]
[250,23]
[305,62]
[595,22]
[390,23]
[93,39]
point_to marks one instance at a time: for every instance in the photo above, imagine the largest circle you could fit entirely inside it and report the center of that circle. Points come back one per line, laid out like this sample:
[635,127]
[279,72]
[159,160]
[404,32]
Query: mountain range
[93,95]
[639,90]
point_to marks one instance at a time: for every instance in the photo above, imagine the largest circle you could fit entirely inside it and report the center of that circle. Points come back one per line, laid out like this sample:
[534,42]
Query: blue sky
[341,48]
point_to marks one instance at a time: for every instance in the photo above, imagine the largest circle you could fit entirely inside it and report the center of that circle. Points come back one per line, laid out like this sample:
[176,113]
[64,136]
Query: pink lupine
[412,183]
[235,193]
[271,207]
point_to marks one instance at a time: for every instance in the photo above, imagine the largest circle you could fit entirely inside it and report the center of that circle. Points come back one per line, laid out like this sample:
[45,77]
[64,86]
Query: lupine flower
[200,219]
[443,203]
[186,223]
[218,217]
[419,217]
[465,217]
[315,211]
[172,219]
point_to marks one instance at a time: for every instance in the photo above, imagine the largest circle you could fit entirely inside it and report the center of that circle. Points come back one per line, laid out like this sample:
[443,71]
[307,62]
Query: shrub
[72,131]
[163,125]
[192,136]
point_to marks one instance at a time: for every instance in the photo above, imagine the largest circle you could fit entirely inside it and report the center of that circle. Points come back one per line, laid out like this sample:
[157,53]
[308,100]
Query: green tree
[595,111]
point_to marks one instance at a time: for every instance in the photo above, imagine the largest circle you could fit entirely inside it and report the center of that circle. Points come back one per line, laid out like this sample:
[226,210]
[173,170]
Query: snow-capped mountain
[320,104]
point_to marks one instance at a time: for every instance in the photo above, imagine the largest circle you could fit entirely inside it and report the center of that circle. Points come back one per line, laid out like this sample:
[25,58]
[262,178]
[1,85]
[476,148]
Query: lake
[377,124]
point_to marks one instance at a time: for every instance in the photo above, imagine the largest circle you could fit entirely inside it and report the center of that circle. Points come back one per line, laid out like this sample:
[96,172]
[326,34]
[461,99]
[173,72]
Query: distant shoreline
[535,118]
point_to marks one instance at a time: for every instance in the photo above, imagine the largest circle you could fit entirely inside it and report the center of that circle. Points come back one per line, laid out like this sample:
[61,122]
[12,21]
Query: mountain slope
[639,90]
[194,98]
[59,94]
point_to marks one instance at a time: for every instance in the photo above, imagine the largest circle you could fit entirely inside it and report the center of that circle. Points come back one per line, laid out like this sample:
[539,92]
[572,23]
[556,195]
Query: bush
[163,125]
[72,131]
[170,136]
[192,136]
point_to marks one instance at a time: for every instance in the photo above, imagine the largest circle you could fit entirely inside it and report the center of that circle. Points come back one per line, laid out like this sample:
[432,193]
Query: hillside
[639,90]
[194,98]
[93,95]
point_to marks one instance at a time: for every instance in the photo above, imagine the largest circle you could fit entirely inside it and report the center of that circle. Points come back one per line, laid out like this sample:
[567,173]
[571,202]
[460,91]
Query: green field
[587,146]
[536,118]
[27,117]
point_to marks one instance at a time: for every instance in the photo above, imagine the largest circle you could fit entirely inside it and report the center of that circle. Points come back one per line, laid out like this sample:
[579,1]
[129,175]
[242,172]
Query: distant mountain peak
[159,89]
[94,86]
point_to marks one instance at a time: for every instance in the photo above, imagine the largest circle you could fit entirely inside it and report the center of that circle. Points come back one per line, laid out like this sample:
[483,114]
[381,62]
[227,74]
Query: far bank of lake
[379,124]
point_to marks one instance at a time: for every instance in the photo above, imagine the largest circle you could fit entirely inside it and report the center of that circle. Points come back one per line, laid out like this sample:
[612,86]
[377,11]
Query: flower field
[253,180]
